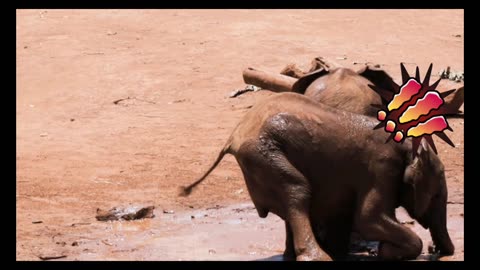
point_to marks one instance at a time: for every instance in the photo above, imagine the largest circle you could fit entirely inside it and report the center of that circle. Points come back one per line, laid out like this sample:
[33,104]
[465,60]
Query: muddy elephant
[327,172]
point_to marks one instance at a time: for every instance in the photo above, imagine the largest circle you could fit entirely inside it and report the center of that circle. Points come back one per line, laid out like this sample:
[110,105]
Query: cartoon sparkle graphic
[414,109]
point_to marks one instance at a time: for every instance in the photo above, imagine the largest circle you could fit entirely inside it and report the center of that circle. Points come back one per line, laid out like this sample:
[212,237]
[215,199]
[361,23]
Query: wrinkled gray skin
[326,173]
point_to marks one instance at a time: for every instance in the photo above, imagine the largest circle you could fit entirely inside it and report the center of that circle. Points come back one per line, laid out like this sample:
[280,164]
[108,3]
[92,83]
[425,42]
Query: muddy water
[232,232]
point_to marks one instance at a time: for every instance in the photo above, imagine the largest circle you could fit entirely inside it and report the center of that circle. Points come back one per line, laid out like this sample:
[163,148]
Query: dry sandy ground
[78,151]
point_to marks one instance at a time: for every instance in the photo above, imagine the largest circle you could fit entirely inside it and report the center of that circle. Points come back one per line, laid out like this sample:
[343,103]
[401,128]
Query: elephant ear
[454,102]
[379,78]
[301,84]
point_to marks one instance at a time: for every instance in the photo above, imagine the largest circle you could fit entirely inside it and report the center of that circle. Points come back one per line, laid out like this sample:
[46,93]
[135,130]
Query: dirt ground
[172,71]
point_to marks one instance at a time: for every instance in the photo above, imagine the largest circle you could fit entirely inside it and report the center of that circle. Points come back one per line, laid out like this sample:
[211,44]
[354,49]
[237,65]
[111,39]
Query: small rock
[341,58]
[43,134]
[111,33]
[72,119]
[377,66]
[461,214]
[190,206]
[457,35]
[37,222]
[211,251]
[240,191]
[179,101]
[31,106]
[168,212]
[75,244]
[62,243]
[125,214]
[25,47]
[192,217]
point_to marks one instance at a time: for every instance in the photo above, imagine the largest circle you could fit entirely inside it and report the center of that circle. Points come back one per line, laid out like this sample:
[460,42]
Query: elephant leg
[289,253]
[306,246]
[337,239]
[389,251]
[397,241]
[297,205]
[297,194]
[279,187]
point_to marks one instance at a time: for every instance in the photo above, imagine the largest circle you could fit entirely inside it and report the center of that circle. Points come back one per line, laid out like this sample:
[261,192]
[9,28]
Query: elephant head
[424,196]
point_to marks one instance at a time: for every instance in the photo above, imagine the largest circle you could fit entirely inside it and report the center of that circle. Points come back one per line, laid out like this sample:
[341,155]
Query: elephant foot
[314,256]
[289,255]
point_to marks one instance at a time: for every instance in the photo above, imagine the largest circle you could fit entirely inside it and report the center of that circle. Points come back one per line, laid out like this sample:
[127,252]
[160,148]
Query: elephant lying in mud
[325,170]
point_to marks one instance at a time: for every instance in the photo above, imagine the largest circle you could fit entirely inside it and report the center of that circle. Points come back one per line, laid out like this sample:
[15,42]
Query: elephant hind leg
[276,185]
[336,238]
[294,189]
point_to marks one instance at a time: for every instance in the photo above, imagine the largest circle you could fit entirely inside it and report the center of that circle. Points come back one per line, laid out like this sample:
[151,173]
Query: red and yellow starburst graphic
[414,110]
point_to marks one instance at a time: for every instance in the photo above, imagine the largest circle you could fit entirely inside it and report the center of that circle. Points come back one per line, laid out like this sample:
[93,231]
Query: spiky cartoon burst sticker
[414,109]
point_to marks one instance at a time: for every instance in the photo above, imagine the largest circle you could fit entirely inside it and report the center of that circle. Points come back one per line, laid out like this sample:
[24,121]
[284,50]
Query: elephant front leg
[389,251]
[397,242]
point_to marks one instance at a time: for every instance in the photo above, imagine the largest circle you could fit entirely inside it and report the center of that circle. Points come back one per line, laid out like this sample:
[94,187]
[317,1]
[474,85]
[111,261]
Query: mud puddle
[232,232]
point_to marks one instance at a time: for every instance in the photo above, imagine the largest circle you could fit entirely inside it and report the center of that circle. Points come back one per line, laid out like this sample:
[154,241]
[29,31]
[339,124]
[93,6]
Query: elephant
[349,90]
[327,172]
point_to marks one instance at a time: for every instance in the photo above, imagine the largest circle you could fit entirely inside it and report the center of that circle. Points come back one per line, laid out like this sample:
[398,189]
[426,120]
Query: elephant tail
[185,191]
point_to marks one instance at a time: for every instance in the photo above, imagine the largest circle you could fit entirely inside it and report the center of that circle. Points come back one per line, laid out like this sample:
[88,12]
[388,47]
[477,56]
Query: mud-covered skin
[326,172]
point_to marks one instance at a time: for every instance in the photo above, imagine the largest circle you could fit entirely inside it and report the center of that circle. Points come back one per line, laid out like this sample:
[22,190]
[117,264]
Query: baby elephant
[325,170]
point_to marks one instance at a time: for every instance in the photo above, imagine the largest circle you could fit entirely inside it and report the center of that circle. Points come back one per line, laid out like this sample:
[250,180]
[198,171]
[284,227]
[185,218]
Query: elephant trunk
[437,223]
